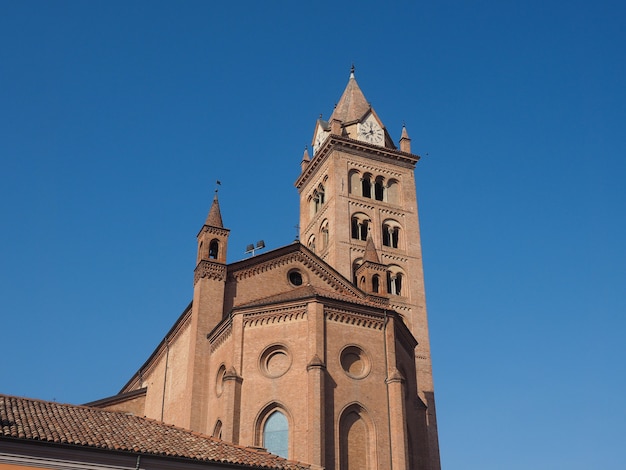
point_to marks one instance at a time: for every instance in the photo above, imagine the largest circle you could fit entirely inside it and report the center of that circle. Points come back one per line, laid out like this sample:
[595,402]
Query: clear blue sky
[116,118]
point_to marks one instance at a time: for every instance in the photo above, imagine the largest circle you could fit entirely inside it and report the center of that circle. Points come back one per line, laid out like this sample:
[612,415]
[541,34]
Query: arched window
[355,265]
[311,243]
[320,194]
[366,184]
[394,283]
[393,192]
[214,247]
[355,447]
[359,227]
[324,234]
[217,430]
[379,189]
[355,183]
[375,284]
[312,204]
[276,434]
[391,234]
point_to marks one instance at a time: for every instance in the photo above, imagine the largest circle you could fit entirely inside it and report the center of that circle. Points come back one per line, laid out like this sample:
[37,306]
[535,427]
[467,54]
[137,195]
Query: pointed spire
[370,250]
[405,134]
[214,219]
[352,105]
[305,157]
[405,140]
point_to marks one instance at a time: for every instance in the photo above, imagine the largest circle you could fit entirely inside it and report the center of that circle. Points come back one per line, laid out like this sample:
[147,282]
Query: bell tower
[207,311]
[358,212]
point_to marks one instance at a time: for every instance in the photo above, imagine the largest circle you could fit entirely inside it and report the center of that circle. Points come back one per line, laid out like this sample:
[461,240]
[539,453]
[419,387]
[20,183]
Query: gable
[289,273]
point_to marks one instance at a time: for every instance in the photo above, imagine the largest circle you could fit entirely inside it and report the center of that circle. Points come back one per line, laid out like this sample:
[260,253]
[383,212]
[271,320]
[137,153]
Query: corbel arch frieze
[219,337]
[375,170]
[209,270]
[362,319]
[222,232]
[274,316]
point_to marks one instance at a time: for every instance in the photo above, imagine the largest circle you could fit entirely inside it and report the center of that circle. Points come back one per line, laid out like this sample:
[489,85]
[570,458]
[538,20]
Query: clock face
[371,132]
[319,140]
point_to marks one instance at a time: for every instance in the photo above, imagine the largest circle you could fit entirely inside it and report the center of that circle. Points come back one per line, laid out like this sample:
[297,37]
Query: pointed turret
[305,158]
[370,251]
[371,273]
[214,219]
[352,105]
[213,237]
[405,141]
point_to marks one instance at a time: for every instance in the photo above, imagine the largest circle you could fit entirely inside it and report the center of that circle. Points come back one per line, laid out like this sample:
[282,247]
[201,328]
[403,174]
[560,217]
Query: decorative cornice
[365,320]
[219,335]
[273,316]
[392,258]
[216,230]
[374,169]
[209,269]
[356,147]
[361,204]
[397,213]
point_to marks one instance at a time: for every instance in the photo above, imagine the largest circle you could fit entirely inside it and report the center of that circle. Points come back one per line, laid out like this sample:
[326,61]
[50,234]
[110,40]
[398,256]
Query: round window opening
[275,361]
[355,362]
[295,278]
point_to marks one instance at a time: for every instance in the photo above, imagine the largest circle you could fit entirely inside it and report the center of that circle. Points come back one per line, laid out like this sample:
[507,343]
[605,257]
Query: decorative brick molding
[210,270]
[336,282]
[395,213]
[365,320]
[375,170]
[348,145]
[392,258]
[219,336]
[280,315]
[222,232]
[361,205]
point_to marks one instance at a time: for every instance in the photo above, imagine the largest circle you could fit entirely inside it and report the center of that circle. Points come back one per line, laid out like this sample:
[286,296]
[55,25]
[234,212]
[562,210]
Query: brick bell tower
[358,212]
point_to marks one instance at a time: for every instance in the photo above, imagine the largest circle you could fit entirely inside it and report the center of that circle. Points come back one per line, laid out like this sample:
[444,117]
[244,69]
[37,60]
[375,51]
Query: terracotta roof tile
[28,419]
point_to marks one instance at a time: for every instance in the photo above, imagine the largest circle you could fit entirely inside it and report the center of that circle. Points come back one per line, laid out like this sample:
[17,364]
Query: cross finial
[352,71]
[217,183]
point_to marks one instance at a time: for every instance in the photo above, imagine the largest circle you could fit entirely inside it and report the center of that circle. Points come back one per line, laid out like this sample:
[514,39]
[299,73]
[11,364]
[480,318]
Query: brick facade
[289,331]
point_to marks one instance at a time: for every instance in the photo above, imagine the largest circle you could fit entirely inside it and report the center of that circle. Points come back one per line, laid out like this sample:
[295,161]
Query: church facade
[319,350]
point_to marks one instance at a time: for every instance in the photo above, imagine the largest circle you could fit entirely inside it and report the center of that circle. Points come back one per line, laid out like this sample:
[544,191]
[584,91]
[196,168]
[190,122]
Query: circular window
[275,361]
[355,362]
[295,277]
[219,380]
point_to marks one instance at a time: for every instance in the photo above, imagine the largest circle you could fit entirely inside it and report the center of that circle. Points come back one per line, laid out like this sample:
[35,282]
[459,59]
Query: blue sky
[116,118]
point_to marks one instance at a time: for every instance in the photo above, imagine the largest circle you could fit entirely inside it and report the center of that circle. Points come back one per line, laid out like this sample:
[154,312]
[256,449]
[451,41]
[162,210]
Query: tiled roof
[37,420]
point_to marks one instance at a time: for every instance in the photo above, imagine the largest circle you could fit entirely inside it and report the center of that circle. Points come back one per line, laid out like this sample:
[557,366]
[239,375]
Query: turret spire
[214,219]
[370,250]
[405,140]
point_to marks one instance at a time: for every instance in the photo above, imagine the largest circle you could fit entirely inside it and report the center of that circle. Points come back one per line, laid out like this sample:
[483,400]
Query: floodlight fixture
[251,248]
